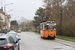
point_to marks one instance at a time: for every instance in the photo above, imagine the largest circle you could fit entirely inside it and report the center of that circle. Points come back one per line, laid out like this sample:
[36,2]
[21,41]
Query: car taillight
[7,47]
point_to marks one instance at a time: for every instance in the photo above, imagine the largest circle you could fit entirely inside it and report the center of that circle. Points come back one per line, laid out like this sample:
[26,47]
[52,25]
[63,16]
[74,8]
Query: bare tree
[24,23]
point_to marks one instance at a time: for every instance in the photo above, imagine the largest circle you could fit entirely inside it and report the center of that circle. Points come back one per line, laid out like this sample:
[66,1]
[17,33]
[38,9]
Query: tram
[48,29]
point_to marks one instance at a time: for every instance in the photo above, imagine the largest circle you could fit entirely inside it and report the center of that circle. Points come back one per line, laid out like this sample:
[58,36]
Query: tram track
[67,43]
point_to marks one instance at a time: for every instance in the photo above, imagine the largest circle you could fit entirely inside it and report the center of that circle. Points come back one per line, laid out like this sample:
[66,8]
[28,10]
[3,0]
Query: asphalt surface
[33,41]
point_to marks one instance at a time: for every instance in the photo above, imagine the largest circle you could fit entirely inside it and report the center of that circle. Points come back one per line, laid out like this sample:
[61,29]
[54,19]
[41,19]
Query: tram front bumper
[51,36]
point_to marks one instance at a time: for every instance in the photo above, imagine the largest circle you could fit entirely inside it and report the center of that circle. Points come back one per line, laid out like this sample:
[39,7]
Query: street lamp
[5,14]
[5,6]
[8,4]
[10,10]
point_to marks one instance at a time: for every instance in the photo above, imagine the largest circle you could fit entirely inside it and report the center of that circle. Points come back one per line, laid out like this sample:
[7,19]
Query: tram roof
[50,21]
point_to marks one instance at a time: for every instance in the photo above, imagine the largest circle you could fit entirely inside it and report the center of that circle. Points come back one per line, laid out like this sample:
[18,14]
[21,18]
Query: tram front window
[48,27]
[51,27]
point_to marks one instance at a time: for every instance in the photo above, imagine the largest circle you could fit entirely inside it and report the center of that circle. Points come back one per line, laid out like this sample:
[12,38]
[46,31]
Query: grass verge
[66,38]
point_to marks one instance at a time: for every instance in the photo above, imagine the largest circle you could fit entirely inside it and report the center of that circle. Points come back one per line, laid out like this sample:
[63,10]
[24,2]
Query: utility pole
[61,22]
[5,19]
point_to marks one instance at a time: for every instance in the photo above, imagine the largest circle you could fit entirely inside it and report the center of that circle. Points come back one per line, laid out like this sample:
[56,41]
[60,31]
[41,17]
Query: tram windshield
[49,27]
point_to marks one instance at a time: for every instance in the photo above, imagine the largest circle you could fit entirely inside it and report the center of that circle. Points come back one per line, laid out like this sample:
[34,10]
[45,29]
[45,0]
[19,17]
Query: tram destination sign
[51,24]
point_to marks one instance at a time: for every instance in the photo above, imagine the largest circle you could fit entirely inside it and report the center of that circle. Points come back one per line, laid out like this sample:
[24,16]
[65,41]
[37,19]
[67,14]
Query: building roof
[8,16]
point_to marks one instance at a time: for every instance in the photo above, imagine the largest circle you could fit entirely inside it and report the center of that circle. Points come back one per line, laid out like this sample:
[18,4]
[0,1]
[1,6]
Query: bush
[34,30]
[68,28]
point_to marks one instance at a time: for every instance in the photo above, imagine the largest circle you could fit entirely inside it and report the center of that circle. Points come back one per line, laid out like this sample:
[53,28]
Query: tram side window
[46,27]
[41,27]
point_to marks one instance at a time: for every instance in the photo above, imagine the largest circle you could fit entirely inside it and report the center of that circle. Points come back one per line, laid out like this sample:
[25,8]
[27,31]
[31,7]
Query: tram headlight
[47,24]
[55,24]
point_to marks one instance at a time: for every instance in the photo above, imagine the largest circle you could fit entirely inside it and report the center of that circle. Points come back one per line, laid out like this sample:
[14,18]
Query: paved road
[32,41]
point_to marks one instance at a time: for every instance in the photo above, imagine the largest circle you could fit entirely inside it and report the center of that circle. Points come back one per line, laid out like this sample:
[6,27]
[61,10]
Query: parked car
[13,32]
[15,39]
[19,31]
[7,43]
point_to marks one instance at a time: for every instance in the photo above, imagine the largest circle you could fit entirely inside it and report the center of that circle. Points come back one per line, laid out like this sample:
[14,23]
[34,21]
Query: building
[6,19]
[1,24]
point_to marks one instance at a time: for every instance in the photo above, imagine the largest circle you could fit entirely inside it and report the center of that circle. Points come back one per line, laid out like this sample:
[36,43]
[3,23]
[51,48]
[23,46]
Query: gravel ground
[32,41]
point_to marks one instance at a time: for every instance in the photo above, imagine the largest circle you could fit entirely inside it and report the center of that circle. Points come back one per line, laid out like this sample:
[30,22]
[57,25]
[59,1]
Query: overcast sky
[22,8]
